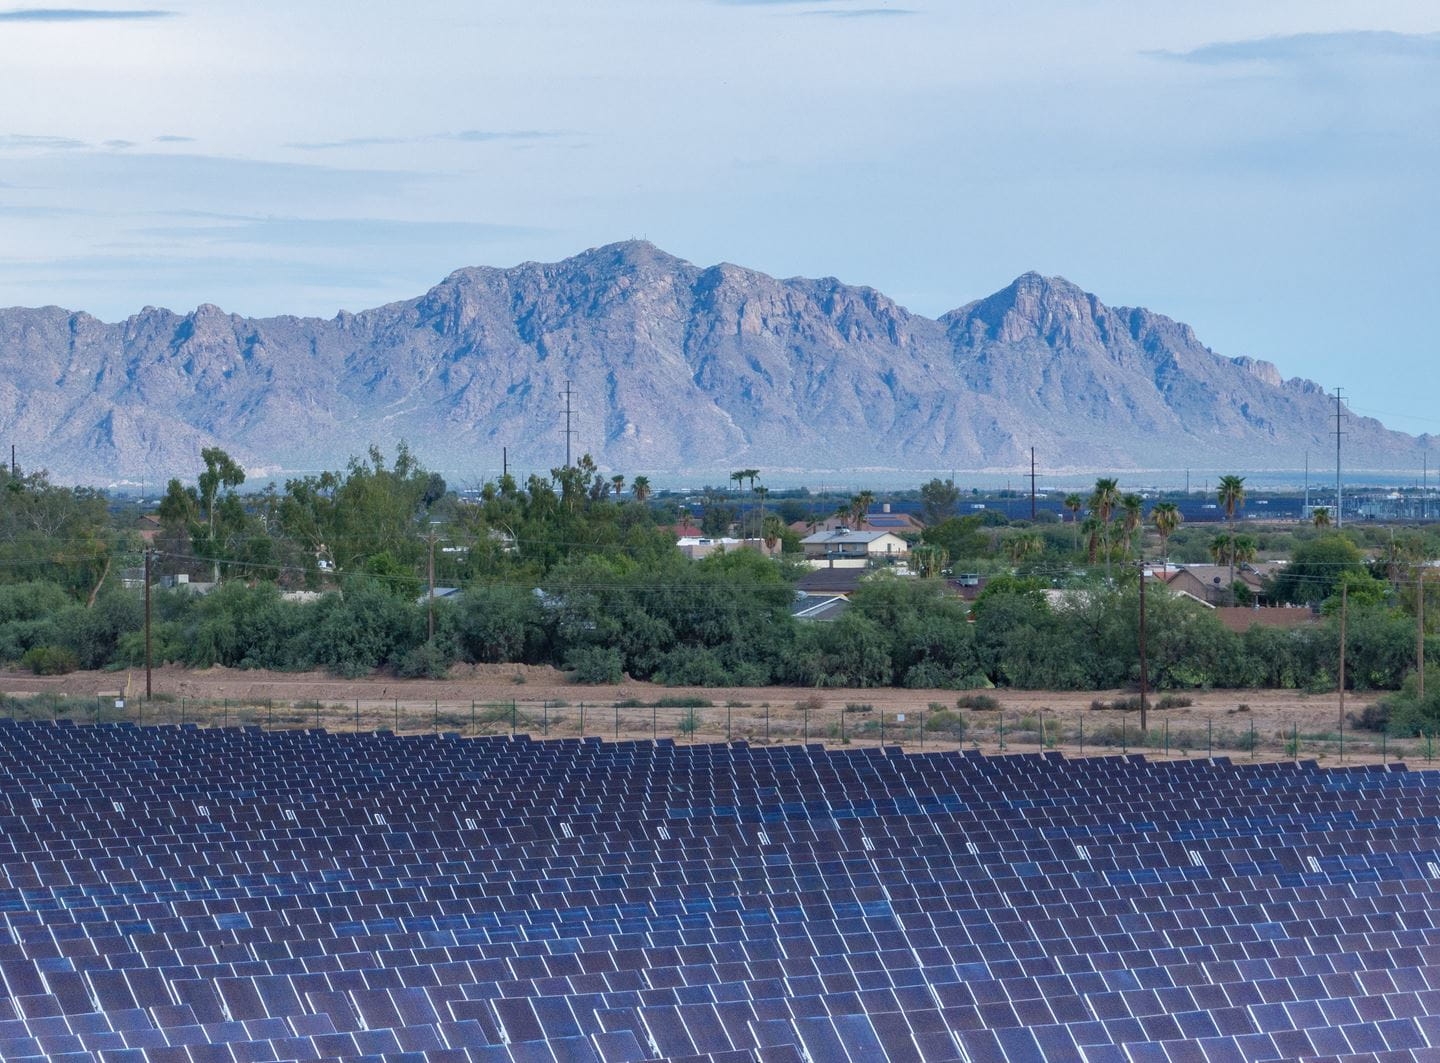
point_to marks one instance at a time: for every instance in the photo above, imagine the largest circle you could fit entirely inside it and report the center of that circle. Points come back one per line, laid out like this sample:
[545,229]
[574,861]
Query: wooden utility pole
[1420,631]
[430,598]
[1144,663]
[147,624]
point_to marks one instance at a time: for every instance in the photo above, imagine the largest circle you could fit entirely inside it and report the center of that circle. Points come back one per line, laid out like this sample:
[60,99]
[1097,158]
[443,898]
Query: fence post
[1252,738]
[270,713]
[617,721]
[922,727]
[472,717]
[182,710]
[140,711]
[1082,733]
[655,722]
[437,716]
[1210,738]
[582,719]
[1342,739]
[1295,738]
[1167,736]
[397,716]
[317,714]
[806,713]
[225,713]
[1385,747]
[357,716]
[1124,736]
[513,714]
[842,723]
[545,718]
[882,727]
[729,711]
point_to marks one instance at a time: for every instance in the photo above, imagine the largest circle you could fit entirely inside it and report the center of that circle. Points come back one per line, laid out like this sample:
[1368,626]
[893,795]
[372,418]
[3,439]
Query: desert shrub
[982,702]
[1174,701]
[50,660]
[684,703]
[1374,717]
[595,665]
[946,721]
[850,706]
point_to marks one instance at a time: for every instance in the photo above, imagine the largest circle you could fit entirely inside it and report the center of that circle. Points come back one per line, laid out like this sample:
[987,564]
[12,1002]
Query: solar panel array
[180,894]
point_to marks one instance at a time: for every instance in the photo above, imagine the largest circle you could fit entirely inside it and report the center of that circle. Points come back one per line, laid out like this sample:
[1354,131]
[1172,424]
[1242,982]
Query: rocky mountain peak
[676,368]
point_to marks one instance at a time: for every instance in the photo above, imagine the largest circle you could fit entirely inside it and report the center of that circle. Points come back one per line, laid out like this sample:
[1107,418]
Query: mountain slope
[674,367]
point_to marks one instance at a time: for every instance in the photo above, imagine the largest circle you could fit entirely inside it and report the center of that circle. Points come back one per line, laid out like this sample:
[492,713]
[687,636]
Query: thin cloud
[170,138]
[1313,47]
[464,136]
[79,14]
[334,232]
[23,141]
[864,12]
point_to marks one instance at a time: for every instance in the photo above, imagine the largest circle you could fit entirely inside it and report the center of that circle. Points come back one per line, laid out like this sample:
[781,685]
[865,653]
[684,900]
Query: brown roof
[1238,618]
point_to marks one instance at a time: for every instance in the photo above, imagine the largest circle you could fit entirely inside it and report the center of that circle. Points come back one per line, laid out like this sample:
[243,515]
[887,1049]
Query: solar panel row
[173,893]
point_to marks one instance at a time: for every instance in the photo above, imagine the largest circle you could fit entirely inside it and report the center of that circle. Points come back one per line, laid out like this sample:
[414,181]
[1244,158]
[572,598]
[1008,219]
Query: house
[1240,619]
[1210,583]
[149,526]
[697,546]
[183,582]
[819,608]
[844,548]
[440,594]
[831,582]
[881,520]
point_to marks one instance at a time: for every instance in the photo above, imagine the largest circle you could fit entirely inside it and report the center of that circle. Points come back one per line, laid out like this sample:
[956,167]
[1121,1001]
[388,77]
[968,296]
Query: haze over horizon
[1265,175]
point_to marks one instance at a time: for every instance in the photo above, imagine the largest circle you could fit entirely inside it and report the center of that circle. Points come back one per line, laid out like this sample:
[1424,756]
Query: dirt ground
[494,699]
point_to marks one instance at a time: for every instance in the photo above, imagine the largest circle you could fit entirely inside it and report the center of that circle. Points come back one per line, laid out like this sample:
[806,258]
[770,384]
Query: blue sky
[1266,172]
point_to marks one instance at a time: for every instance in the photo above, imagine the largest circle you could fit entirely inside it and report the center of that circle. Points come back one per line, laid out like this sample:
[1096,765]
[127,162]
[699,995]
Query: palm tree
[739,477]
[860,506]
[1102,503]
[1021,547]
[1321,516]
[1231,495]
[1092,532]
[1166,517]
[1220,546]
[1133,506]
[618,482]
[1074,503]
[1244,548]
[640,488]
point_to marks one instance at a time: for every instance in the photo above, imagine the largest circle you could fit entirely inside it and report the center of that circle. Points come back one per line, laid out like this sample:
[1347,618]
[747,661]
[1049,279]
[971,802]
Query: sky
[1269,173]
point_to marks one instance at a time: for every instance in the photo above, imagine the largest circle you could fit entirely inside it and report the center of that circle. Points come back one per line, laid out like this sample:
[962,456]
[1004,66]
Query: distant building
[1210,583]
[697,546]
[1240,619]
[441,593]
[844,548]
[182,582]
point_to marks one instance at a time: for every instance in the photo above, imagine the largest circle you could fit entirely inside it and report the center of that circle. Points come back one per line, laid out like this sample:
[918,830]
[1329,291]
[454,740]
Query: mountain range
[673,368]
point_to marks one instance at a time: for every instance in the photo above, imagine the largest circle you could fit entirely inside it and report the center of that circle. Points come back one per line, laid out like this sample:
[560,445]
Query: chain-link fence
[987,727]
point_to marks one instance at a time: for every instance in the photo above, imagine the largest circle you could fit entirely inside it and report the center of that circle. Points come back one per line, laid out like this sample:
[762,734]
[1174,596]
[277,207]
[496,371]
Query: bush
[1374,717]
[983,702]
[426,661]
[684,703]
[946,721]
[1174,701]
[50,660]
[595,665]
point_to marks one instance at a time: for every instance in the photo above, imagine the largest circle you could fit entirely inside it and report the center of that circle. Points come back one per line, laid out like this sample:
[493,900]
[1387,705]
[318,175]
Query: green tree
[939,500]
[1315,569]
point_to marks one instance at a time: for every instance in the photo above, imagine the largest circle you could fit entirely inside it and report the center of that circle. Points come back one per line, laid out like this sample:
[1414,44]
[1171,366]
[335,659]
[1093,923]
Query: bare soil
[491,699]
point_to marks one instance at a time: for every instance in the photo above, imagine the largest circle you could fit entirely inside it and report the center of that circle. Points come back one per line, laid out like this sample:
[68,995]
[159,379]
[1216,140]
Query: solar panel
[236,894]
